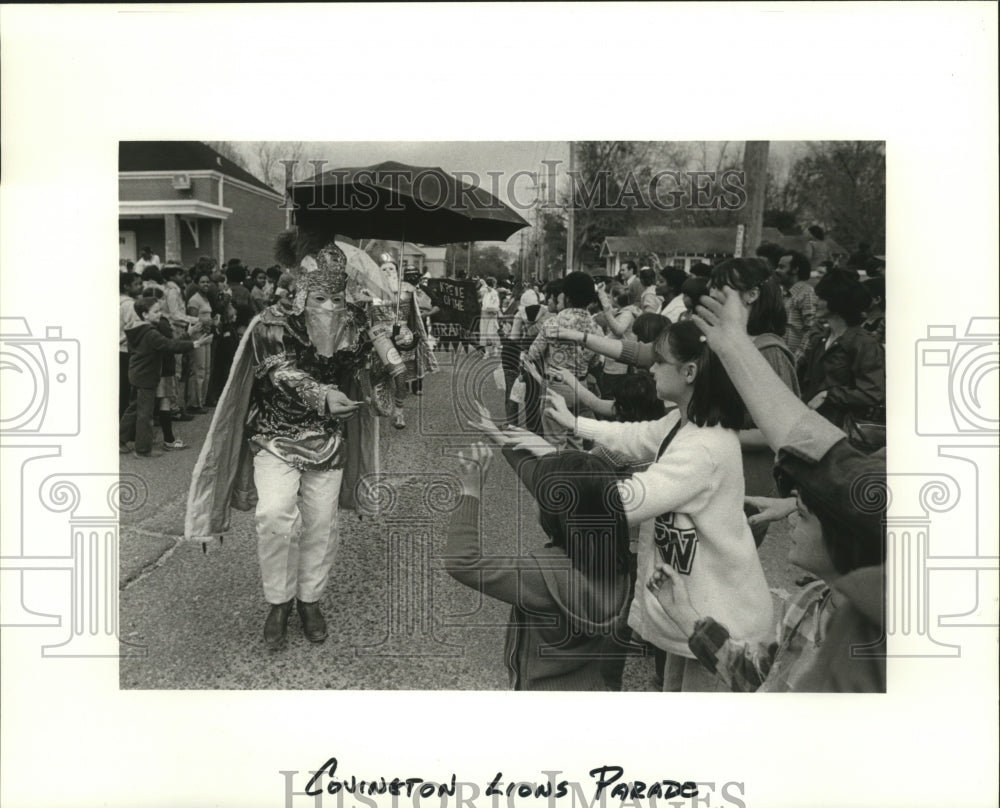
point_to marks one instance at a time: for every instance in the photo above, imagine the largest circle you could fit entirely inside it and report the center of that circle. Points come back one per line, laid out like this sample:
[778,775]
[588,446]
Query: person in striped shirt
[793,272]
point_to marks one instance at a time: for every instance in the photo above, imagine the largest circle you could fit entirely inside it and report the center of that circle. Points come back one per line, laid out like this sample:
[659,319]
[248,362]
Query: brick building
[185,200]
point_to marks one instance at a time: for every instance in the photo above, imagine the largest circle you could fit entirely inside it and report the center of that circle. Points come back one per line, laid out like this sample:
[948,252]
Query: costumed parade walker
[298,420]
[388,336]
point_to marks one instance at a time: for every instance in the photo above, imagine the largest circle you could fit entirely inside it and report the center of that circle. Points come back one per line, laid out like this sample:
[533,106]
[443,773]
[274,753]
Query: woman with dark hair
[843,376]
[691,290]
[569,598]
[647,327]
[759,290]
[761,293]
[689,502]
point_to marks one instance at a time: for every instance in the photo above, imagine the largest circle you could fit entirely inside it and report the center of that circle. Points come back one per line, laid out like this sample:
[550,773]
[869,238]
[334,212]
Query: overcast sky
[514,159]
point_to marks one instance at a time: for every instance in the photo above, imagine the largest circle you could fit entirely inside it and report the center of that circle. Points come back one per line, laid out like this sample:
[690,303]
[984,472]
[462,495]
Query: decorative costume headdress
[313,268]
[326,272]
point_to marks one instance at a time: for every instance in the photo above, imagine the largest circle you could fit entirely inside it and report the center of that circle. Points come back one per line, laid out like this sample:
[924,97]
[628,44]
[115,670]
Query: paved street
[193,619]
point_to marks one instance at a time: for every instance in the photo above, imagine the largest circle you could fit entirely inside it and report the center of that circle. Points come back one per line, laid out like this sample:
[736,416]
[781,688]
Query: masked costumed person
[290,434]
[409,336]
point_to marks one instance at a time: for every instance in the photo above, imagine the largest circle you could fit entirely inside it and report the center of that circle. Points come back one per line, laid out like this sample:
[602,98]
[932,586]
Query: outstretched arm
[600,406]
[628,351]
[774,408]
[516,579]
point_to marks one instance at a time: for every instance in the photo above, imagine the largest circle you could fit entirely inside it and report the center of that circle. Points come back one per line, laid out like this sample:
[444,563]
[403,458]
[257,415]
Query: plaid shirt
[557,353]
[774,667]
[800,304]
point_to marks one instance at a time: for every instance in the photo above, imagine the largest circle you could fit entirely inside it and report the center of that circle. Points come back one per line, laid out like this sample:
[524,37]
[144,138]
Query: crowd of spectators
[179,328]
[705,407]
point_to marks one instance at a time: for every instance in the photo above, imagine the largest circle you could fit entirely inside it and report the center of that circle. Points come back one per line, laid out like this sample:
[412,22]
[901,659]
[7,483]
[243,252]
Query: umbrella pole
[399,273]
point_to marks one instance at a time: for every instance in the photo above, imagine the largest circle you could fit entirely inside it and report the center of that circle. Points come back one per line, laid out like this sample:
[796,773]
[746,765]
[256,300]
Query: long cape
[223,476]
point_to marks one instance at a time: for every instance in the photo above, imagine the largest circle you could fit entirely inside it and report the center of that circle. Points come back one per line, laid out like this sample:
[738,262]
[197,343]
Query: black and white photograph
[509,402]
[441,426]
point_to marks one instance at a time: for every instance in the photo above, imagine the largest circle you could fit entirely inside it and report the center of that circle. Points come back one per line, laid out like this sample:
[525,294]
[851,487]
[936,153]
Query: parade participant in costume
[289,433]
[409,335]
[423,361]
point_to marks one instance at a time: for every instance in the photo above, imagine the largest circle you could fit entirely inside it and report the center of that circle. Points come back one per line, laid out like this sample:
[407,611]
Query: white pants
[297,537]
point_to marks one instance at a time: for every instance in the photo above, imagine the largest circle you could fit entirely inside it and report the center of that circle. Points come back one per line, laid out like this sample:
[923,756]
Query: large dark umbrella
[399,202]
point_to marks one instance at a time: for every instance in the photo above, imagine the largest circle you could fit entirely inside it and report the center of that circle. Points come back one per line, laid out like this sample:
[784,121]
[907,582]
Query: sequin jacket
[288,416]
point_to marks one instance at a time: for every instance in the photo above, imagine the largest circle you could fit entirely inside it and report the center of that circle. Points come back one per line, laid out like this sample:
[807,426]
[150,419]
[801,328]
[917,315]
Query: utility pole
[539,188]
[570,229]
[468,261]
[520,260]
[541,238]
[755,176]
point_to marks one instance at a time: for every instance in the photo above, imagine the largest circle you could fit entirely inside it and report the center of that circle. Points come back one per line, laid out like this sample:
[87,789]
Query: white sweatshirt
[690,505]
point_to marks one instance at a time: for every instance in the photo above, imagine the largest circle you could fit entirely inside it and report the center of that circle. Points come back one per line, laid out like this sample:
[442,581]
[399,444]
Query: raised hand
[519,438]
[568,334]
[488,427]
[530,368]
[722,317]
[668,586]
[558,411]
[769,509]
[473,466]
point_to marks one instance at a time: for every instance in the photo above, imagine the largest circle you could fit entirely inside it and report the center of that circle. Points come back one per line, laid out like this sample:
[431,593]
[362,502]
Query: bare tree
[715,155]
[269,158]
[231,151]
[841,185]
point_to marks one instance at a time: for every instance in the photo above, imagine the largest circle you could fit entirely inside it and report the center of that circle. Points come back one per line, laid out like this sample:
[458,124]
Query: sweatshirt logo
[676,541]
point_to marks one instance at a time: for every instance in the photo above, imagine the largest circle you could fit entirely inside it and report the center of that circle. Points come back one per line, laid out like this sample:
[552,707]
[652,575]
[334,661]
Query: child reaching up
[569,598]
[689,502]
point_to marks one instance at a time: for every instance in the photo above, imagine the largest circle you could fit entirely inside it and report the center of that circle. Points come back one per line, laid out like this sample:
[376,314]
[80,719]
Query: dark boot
[313,624]
[276,625]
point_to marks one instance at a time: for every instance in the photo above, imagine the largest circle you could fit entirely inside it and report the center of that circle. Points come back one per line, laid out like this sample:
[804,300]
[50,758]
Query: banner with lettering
[457,300]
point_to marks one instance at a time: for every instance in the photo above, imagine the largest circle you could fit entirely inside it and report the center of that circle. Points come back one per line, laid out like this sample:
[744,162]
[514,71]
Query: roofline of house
[202,172]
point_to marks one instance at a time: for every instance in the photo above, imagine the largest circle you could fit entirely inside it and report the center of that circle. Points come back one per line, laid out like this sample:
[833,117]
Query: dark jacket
[564,632]
[852,370]
[168,365]
[146,346]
